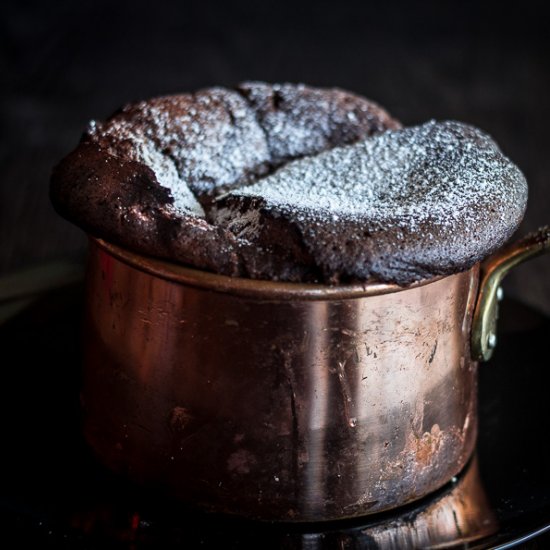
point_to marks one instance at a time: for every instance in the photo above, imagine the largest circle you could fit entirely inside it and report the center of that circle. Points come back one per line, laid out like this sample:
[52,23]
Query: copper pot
[285,401]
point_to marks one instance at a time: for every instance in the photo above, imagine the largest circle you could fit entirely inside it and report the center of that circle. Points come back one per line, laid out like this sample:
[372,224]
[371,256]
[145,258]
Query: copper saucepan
[285,401]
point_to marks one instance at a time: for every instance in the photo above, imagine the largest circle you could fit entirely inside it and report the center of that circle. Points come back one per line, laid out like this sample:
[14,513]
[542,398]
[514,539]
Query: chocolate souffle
[291,183]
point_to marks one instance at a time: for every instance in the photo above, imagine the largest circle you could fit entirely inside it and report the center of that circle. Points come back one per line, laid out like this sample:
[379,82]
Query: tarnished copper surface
[252,288]
[461,515]
[274,408]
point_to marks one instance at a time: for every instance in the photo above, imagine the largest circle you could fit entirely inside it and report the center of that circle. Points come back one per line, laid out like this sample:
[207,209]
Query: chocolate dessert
[288,182]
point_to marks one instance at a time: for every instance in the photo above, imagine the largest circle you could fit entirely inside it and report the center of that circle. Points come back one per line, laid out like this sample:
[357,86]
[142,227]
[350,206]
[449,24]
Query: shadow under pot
[284,401]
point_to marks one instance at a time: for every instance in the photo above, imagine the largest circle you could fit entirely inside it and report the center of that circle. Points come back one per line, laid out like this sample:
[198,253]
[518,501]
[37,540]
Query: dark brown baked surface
[289,182]
[404,205]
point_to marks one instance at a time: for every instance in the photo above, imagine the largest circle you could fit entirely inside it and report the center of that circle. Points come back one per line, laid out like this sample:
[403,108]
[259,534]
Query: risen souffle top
[288,182]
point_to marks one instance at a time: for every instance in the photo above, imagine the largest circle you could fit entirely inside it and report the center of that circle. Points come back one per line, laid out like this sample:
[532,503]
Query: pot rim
[253,288]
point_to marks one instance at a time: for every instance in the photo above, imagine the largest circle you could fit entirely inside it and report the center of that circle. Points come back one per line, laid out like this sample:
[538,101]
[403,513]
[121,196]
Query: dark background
[63,63]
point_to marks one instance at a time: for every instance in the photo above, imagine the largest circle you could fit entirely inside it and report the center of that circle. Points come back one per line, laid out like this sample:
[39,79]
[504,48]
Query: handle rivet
[492,340]
[500,294]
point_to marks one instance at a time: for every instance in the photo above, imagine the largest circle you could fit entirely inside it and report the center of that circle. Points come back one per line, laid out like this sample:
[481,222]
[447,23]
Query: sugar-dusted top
[414,202]
[289,182]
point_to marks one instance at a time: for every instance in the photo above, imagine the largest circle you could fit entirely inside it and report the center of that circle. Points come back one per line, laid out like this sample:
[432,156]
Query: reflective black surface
[52,492]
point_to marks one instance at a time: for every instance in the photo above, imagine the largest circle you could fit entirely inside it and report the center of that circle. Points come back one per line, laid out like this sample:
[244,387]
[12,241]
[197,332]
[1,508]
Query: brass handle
[492,272]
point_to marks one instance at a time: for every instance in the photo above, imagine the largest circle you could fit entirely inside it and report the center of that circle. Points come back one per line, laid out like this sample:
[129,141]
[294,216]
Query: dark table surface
[54,494]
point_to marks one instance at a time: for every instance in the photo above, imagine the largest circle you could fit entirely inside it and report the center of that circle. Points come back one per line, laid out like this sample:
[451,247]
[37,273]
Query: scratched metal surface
[288,410]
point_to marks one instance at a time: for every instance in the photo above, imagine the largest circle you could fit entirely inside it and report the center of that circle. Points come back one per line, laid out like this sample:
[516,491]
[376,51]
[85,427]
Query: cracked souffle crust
[288,182]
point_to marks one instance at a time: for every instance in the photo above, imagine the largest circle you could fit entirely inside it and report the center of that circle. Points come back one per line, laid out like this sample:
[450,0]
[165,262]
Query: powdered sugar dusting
[436,171]
[399,206]
[120,137]
[396,205]
[201,142]
[301,121]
